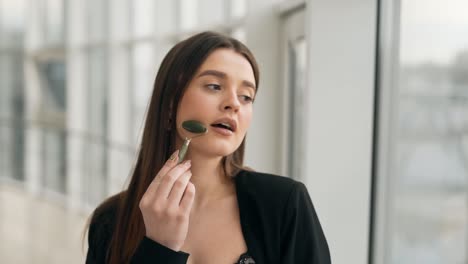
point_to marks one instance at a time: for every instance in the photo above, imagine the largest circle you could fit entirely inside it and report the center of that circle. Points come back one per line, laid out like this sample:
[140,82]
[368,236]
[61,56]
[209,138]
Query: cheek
[245,119]
[194,105]
[186,105]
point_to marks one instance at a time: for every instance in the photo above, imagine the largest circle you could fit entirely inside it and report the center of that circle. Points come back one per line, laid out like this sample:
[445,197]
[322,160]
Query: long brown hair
[158,140]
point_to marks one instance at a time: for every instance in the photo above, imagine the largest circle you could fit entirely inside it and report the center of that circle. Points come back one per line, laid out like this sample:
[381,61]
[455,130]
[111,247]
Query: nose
[231,102]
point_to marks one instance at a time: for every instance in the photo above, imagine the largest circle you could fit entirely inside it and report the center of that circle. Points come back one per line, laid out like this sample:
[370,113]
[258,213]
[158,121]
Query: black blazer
[278,221]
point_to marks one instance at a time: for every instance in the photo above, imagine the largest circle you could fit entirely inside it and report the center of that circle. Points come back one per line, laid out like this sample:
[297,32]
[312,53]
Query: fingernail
[188,163]
[174,156]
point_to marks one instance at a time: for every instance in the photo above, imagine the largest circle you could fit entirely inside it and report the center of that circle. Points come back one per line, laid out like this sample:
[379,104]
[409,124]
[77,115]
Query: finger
[188,198]
[170,163]
[178,188]
[167,181]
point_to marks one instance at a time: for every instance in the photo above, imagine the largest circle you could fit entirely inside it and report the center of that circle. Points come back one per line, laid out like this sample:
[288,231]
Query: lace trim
[245,259]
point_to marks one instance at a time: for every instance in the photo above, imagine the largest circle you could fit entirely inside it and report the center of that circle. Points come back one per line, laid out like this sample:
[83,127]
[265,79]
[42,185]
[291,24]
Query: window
[188,14]
[142,61]
[211,12]
[426,204]
[95,154]
[143,74]
[12,20]
[53,133]
[238,8]
[97,21]
[53,21]
[143,17]
[11,115]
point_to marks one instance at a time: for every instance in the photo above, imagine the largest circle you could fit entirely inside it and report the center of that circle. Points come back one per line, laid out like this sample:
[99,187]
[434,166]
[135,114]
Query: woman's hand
[167,202]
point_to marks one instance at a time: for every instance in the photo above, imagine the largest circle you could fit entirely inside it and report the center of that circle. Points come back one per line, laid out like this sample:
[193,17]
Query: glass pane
[97,18]
[97,91]
[6,133]
[238,8]
[95,181]
[53,18]
[53,133]
[239,34]
[430,196]
[6,159]
[12,22]
[143,19]
[166,17]
[95,154]
[188,14]
[53,89]
[11,115]
[54,159]
[144,72]
[211,12]
[7,80]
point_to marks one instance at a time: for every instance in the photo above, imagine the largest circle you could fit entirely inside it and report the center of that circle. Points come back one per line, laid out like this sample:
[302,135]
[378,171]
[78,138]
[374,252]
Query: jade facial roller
[193,127]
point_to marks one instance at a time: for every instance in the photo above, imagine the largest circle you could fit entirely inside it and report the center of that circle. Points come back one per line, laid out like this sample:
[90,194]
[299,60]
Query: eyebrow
[223,75]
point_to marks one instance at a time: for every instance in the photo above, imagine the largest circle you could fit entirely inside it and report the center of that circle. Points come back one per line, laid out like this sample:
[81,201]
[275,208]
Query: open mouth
[223,125]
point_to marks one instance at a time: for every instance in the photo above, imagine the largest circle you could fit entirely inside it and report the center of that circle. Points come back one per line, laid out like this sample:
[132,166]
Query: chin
[220,150]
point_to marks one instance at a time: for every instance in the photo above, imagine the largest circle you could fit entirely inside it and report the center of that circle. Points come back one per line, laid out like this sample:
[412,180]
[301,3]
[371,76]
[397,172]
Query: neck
[210,182]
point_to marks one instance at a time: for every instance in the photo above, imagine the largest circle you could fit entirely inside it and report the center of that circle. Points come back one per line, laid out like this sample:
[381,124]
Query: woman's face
[220,95]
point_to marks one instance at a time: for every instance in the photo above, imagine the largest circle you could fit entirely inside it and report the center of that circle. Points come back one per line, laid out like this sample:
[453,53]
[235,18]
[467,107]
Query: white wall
[262,34]
[341,38]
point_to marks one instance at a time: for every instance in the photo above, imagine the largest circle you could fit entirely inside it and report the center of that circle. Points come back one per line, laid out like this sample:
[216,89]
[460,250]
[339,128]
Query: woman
[209,208]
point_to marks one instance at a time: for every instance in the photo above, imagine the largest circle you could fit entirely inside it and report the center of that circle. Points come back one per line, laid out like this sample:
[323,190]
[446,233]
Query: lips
[225,123]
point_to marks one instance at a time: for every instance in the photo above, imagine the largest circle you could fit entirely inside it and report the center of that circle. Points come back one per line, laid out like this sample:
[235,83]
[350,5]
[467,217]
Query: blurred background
[366,102]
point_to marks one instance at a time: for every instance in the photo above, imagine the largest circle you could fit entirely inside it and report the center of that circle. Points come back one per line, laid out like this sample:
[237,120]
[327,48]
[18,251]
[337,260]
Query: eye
[213,86]
[247,98]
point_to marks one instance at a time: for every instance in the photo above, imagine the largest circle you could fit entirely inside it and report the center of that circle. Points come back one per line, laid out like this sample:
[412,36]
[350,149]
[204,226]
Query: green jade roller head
[193,127]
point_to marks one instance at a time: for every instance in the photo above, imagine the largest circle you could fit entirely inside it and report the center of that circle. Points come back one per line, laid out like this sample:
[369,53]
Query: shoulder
[105,213]
[266,183]
[266,189]
[102,223]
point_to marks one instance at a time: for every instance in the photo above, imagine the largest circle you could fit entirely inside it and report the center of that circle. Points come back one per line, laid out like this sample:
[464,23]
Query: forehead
[233,64]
